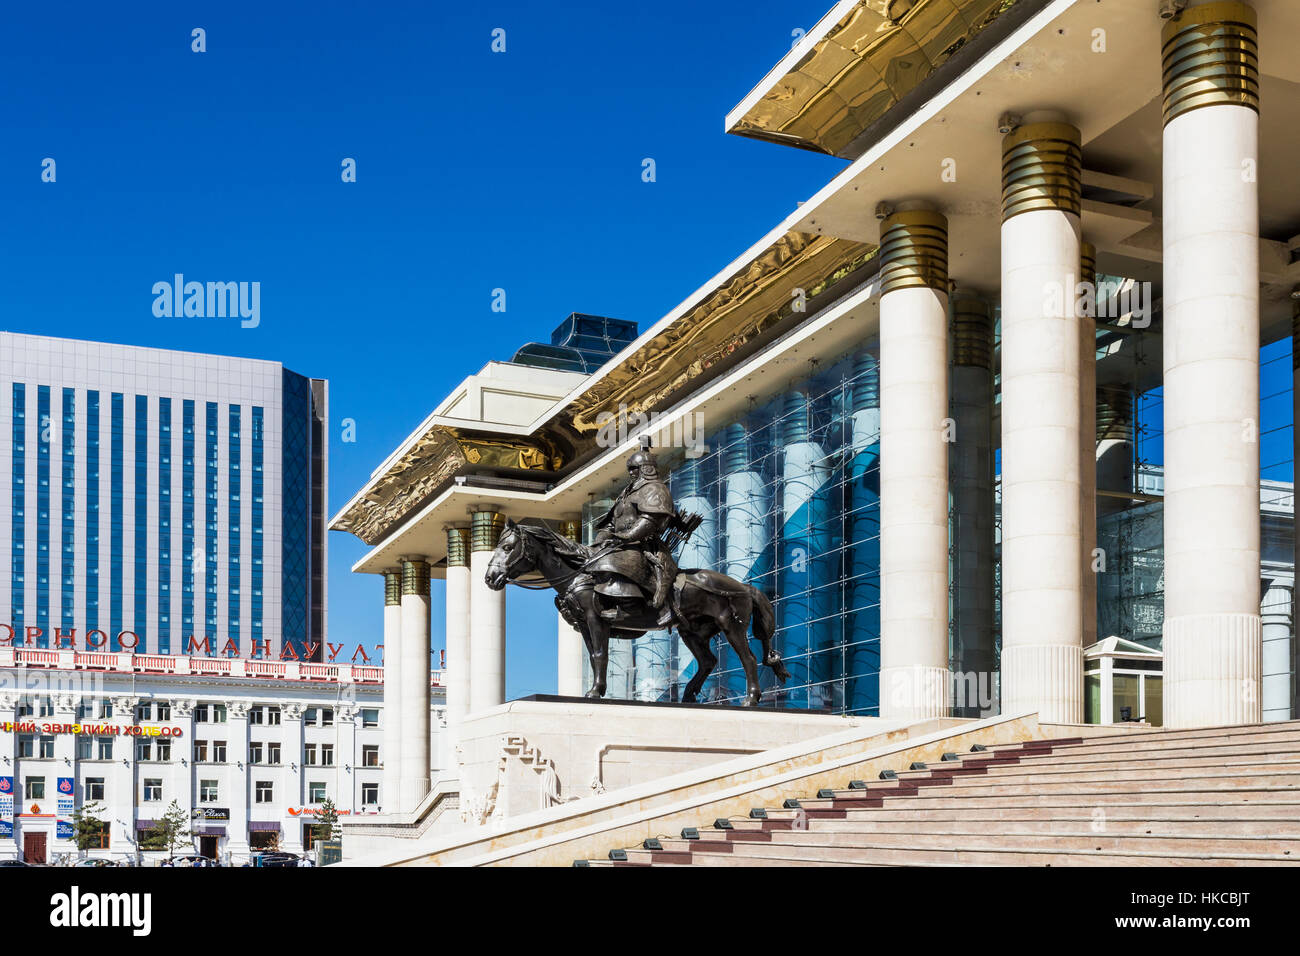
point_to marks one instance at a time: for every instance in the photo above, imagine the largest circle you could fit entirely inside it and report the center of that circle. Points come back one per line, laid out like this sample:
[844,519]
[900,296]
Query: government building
[1000,419]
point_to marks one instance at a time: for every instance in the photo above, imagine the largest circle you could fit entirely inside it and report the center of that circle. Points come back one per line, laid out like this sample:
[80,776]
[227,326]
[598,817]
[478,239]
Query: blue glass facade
[43,437]
[18,509]
[116,517]
[164,526]
[257,571]
[92,512]
[68,501]
[187,518]
[302,568]
[140,626]
[233,520]
[790,500]
[210,528]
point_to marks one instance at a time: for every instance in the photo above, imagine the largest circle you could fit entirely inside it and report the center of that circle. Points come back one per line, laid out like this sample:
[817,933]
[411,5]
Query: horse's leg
[596,634]
[737,630]
[705,661]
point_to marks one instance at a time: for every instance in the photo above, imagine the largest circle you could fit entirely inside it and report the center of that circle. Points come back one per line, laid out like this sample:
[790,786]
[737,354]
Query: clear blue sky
[475,170]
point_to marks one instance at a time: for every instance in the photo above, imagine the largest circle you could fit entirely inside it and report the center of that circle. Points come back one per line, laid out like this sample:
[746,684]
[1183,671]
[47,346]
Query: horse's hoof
[595,694]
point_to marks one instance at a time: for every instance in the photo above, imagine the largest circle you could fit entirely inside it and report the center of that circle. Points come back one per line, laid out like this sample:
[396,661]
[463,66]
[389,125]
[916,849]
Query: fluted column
[1276,677]
[914,464]
[392,741]
[413,782]
[971,467]
[1211,367]
[487,616]
[456,672]
[1042,547]
[1088,443]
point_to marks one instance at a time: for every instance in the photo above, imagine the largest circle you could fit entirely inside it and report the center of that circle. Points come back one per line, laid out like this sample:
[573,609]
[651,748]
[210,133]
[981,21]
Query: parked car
[96,861]
[14,863]
[273,858]
[192,859]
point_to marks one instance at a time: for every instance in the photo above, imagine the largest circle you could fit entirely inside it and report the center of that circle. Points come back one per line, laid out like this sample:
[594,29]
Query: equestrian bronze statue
[626,583]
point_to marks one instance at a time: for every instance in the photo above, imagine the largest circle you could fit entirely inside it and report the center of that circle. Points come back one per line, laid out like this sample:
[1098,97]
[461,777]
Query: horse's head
[512,557]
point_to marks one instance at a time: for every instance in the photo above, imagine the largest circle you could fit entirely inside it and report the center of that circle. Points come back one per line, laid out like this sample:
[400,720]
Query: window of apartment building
[315,792]
[210,713]
[273,754]
[162,710]
[45,747]
[370,755]
[327,755]
[103,748]
[208,791]
[267,714]
[218,751]
[35,706]
[152,789]
[369,716]
[318,717]
[34,788]
[309,755]
[200,751]
[264,792]
[26,745]
[369,794]
[85,747]
[154,751]
[255,752]
[94,788]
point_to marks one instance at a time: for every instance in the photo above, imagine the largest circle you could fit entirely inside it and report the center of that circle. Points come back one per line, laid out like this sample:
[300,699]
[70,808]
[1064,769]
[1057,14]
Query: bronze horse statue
[704,603]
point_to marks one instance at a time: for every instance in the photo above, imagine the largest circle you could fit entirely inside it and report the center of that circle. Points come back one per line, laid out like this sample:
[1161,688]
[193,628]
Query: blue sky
[475,170]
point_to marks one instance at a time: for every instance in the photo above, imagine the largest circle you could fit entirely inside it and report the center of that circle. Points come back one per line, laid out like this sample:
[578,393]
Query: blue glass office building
[176,498]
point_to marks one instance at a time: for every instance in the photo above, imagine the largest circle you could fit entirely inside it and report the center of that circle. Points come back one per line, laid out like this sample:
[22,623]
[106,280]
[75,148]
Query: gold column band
[1210,56]
[570,529]
[392,588]
[914,251]
[485,528]
[1042,168]
[1087,263]
[458,547]
[415,576]
[972,331]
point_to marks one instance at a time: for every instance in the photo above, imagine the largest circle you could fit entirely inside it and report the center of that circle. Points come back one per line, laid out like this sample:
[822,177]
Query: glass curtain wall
[789,496]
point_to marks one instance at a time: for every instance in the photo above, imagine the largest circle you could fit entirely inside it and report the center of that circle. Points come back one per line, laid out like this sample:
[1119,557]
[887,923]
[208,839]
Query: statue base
[544,750]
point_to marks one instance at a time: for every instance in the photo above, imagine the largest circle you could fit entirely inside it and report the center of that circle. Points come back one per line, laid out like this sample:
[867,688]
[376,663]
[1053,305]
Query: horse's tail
[763,622]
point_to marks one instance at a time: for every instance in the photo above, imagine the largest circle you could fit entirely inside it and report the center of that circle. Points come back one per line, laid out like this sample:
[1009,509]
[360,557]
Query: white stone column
[487,616]
[1212,642]
[457,671]
[1276,677]
[10,846]
[569,648]
[1042,548]
[392,739]
[291,773]
[1088,444]
[413,782]
[914,465]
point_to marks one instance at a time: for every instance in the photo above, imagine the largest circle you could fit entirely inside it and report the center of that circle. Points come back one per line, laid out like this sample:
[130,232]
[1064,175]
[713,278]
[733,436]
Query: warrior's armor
[629,542]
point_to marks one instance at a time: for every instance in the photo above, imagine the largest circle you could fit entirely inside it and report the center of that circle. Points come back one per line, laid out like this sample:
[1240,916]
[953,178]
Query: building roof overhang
[947,151]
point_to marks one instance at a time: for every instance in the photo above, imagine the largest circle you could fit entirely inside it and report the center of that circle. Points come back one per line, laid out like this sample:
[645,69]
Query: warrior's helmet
[643,463]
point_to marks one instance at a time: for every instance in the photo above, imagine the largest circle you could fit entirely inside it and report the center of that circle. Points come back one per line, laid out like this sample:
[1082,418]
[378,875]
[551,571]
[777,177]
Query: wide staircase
[1225,796]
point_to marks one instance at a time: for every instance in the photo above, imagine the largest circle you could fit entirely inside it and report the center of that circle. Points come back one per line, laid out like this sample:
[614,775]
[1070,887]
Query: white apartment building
[247,748]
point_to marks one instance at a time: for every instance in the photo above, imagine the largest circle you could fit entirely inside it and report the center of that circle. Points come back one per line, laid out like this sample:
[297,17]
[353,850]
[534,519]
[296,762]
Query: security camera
[884,210]
[1008,122]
